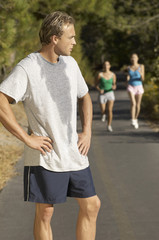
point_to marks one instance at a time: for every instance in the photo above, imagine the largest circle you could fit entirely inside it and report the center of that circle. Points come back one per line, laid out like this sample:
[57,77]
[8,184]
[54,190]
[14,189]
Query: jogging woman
[135,77]
[106,83]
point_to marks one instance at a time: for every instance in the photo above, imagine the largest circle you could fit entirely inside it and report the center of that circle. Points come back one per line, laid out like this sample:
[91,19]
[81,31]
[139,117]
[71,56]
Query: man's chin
[65,54]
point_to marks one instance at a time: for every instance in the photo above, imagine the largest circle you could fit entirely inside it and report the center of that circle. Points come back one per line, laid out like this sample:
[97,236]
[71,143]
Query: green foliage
[18,33]
[151,97]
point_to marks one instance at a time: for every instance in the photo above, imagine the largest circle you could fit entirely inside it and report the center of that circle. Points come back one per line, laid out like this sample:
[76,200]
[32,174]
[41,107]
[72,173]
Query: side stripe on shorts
[28,184]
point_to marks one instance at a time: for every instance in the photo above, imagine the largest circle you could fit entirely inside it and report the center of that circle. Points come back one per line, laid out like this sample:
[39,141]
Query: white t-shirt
[49,93]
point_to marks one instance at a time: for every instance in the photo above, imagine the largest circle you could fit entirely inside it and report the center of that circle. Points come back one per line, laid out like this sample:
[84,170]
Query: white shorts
[109,96]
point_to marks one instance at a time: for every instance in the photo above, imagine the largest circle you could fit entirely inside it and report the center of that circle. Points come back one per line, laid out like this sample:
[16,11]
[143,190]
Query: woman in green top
[105,84]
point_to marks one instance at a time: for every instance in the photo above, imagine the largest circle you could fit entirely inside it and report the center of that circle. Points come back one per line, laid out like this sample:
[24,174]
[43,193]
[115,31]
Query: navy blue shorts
[44,186]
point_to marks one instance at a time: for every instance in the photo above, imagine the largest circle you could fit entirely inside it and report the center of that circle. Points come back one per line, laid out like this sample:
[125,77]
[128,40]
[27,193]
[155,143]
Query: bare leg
[102,107]
[138,104]
[133,105]
[43,215]
[86,223]
[110,105]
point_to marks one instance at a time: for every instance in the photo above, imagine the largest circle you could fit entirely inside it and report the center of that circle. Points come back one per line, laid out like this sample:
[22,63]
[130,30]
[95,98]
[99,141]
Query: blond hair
[53,25]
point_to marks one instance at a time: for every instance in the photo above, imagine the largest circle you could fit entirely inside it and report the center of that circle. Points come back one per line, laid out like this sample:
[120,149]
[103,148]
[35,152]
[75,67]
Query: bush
[150,104]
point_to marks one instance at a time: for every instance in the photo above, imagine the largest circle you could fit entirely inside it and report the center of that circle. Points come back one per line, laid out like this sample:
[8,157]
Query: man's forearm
[85,109]
[8,120]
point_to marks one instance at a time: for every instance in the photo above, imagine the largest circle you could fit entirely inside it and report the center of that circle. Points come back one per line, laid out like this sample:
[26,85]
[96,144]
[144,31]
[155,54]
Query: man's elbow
[85,97]
[4,98]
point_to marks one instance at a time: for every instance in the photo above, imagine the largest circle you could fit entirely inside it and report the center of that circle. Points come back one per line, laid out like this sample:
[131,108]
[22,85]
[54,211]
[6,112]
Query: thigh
[103,106]
[110,105]
[81,184]
[132,97]
[44,207]
[138,98]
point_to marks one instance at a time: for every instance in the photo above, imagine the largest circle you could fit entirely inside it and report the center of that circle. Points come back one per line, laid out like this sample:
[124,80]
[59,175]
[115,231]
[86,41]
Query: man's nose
[74,42]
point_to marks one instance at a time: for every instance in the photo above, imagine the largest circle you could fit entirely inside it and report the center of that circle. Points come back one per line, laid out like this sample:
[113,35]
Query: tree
[18,33]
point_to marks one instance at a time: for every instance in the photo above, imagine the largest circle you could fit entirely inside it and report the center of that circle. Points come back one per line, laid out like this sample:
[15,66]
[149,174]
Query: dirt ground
[11,149]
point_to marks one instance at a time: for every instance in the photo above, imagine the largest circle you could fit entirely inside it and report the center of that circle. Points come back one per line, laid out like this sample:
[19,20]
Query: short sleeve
[82,88]
[15,85]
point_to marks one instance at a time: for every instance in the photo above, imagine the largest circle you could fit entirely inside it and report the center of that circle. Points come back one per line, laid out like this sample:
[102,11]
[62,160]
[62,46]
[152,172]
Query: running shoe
[136,126]
[134,123]
[110,129]
[103,118]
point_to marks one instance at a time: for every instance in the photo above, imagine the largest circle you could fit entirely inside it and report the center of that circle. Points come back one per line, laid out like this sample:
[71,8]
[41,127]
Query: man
[56,164]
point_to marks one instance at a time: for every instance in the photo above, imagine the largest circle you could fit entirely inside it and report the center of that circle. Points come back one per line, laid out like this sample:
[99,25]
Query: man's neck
[49,54]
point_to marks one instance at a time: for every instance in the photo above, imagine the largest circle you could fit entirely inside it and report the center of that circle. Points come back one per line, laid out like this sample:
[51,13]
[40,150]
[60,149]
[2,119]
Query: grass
[11,149]
[9,155]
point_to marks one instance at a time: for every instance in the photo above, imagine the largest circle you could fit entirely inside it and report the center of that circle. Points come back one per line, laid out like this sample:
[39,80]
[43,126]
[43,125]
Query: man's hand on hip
[43,144]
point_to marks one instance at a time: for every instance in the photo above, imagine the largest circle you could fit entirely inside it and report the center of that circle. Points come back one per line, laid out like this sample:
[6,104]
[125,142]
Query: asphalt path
[125,168]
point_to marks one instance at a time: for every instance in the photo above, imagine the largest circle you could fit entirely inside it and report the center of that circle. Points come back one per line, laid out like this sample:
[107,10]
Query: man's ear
[54,39]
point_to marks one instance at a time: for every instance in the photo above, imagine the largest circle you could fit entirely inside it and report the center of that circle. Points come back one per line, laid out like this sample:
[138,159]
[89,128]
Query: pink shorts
[136,90]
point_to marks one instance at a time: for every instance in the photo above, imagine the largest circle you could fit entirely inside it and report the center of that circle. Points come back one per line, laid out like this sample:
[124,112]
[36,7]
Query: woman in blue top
[135,77]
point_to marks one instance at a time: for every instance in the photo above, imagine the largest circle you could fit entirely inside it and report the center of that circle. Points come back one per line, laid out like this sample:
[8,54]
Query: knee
[92,207]
[133,104]
[44,213]
[110,111]
[97,205]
